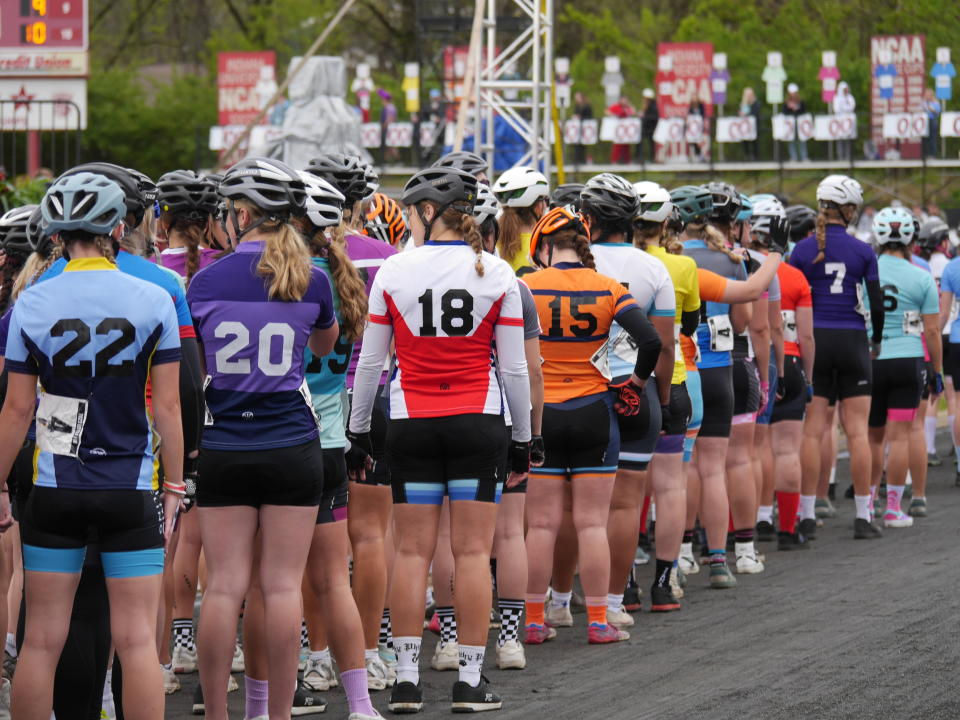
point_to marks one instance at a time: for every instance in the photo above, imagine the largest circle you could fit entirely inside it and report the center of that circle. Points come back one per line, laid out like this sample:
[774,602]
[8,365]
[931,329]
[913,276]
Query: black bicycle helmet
[802,221]
[446,186]
[726,201]
[133,197]
[345,172]
[933,232]
[464,160]
[39,239]
[568,194]
[609,198]
[187,195]
[147,187]
[14,232]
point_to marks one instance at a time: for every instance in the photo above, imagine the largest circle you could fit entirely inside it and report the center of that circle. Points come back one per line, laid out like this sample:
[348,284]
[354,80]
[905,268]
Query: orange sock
[596,611]
[535,612]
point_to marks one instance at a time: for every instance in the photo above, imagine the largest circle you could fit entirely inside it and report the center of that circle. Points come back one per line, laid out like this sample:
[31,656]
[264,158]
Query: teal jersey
[91,335]
[327,378]
[909,293]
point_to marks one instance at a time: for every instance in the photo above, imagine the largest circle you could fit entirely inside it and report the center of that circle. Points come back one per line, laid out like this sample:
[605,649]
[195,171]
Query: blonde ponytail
[715,240]
[286,262]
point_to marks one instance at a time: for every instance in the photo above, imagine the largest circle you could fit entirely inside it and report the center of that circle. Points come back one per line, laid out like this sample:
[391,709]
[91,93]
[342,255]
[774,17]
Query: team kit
[279,423]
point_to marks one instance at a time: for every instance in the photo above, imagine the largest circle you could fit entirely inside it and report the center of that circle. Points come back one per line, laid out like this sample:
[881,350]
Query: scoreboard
[43,24]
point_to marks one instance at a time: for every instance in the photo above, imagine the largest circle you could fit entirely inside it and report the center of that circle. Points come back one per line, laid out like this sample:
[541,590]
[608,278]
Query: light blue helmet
[746,209]
[894,225]
[85,201]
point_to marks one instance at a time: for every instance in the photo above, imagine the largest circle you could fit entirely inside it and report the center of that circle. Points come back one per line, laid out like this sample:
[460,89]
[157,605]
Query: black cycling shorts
[20,479]
[336,487]
[716,385]
[639,433]
[670,442]
[841,368]
[127,525]
[281,476]
[793,405]
[379,474]
[746,390]
[581,437]
[459,456]
[951,361]
[897,387]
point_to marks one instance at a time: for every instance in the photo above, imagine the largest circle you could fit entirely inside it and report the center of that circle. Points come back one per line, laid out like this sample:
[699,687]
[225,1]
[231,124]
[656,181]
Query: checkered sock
[386,631]
[510,613]
[183,634]
[304,638]
[448,624]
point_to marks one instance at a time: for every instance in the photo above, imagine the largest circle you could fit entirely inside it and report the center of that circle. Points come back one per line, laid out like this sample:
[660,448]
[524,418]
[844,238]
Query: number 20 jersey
[91,335]
[443,316]
[254,347]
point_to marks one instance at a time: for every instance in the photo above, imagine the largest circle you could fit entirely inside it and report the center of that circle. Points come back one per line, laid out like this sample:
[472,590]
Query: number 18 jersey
[443,316]
[253,347]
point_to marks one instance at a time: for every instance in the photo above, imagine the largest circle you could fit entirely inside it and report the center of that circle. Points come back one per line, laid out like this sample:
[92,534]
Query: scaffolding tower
[531,53]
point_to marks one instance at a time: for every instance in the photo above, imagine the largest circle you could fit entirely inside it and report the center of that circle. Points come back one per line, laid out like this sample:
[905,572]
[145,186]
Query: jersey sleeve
[378,309]
[804,296]
[948,279]
[712,286]
[622,300]
[931,301]
[511,311]
[691,300]
[168,345]
[18,358]
[4,328]
[326,316]
[871,272]
[184,319]
[665,300]
[531,320]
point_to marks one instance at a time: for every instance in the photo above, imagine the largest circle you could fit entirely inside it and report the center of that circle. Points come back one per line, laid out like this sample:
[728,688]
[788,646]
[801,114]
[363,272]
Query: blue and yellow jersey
[91,334]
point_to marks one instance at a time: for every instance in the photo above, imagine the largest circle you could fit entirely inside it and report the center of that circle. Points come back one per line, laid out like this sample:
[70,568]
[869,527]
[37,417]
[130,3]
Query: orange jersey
[576,306]
[794,293]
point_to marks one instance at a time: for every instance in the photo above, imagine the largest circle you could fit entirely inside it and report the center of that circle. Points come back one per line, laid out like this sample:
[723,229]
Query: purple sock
[358,695]
[256,693]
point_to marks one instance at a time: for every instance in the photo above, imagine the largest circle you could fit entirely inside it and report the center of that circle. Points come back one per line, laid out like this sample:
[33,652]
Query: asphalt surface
[848,629]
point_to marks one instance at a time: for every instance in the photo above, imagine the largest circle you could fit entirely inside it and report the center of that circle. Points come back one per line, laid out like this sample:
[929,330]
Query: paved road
[846,630]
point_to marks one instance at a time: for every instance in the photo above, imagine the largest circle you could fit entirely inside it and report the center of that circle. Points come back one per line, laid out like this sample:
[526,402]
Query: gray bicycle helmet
[345,172]
[446,186]
[726,201]
[135,201]
[86,201]
[272,186]
[566,194]
[37,235]
[187,195]
[15,231]
[464,160]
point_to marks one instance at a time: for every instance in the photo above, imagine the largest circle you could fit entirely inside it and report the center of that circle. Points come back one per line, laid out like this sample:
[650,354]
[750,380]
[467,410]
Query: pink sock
[256,694]
[358,695]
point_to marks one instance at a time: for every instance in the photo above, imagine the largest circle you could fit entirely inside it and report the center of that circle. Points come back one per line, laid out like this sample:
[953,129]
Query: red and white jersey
[444,317]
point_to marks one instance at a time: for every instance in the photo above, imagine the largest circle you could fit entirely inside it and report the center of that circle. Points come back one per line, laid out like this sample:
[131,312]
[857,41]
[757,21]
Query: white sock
[653,512]
[408,658]
[930,433]
[909,478]
[765,514]
[614,602]
[11,645]
[471,662]
[808,505]
[894,493]
[371,654]
[321,654]
[559,599]
[686,549]
[863,504]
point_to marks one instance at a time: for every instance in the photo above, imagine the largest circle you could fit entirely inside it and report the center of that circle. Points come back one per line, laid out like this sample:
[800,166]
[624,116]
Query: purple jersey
[367,255]
[836,281]
[253,348]
[176,259]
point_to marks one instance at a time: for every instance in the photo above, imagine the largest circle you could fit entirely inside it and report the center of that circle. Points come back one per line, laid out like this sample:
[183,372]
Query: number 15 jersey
[444,316]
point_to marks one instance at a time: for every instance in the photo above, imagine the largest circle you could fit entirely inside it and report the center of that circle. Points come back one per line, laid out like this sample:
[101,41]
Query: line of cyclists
[460,401]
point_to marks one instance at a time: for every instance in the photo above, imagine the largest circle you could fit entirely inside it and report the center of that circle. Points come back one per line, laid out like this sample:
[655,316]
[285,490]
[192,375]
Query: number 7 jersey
[443,316]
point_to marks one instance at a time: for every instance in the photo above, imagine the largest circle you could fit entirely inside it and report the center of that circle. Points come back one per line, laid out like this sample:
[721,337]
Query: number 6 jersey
[253,347]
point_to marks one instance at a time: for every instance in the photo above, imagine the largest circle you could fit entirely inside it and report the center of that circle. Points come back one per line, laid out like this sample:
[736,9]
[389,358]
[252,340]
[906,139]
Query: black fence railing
[51,127]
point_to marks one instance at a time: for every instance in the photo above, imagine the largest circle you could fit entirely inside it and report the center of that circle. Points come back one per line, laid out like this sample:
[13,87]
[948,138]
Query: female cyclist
[370,504]
[188,203]
[444,305]
[257,310]
[522,192]
[610,206]
[16,250]
[911,308]
[577,307]
[835,264]
[385,221]
[93,336]
[468,162]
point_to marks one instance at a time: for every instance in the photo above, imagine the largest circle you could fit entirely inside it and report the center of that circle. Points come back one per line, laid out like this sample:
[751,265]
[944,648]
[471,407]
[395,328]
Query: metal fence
[44,132]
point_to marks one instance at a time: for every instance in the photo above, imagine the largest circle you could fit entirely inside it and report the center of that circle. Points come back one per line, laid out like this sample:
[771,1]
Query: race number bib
[304,391]
[912,323]
[207,415]
[789,325]
[60,422]
[601,361]
[860,307]
[625,348]
[721,333]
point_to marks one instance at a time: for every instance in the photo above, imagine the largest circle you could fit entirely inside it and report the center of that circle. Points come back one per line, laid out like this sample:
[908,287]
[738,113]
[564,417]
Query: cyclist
[522,193]
[188,203]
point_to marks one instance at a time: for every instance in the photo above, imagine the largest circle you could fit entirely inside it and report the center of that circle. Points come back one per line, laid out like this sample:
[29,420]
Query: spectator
[651,116]
[931,106]
[582,110]
[843,103]
[620,153]
[796,107]
[388,115]
[749,105]
[697,108]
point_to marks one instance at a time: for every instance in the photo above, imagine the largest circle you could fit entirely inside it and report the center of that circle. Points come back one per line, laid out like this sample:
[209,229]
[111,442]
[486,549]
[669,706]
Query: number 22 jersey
[254,348]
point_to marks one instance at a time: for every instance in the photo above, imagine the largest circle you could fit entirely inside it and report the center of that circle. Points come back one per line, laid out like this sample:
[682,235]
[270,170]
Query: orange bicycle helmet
[553,221]
[385,220]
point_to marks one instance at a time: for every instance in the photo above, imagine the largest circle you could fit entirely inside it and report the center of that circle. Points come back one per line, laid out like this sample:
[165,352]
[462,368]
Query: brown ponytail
[512,224]
[193,234]
[352,221]
[571,240]
[351,289]
[821,231]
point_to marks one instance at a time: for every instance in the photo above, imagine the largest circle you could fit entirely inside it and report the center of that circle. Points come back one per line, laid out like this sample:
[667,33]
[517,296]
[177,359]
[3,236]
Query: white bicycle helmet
[655,204]
[645,186]
[765,208]
[487,205]
[894,225]
[324,201]
[841,190]
[521,187]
